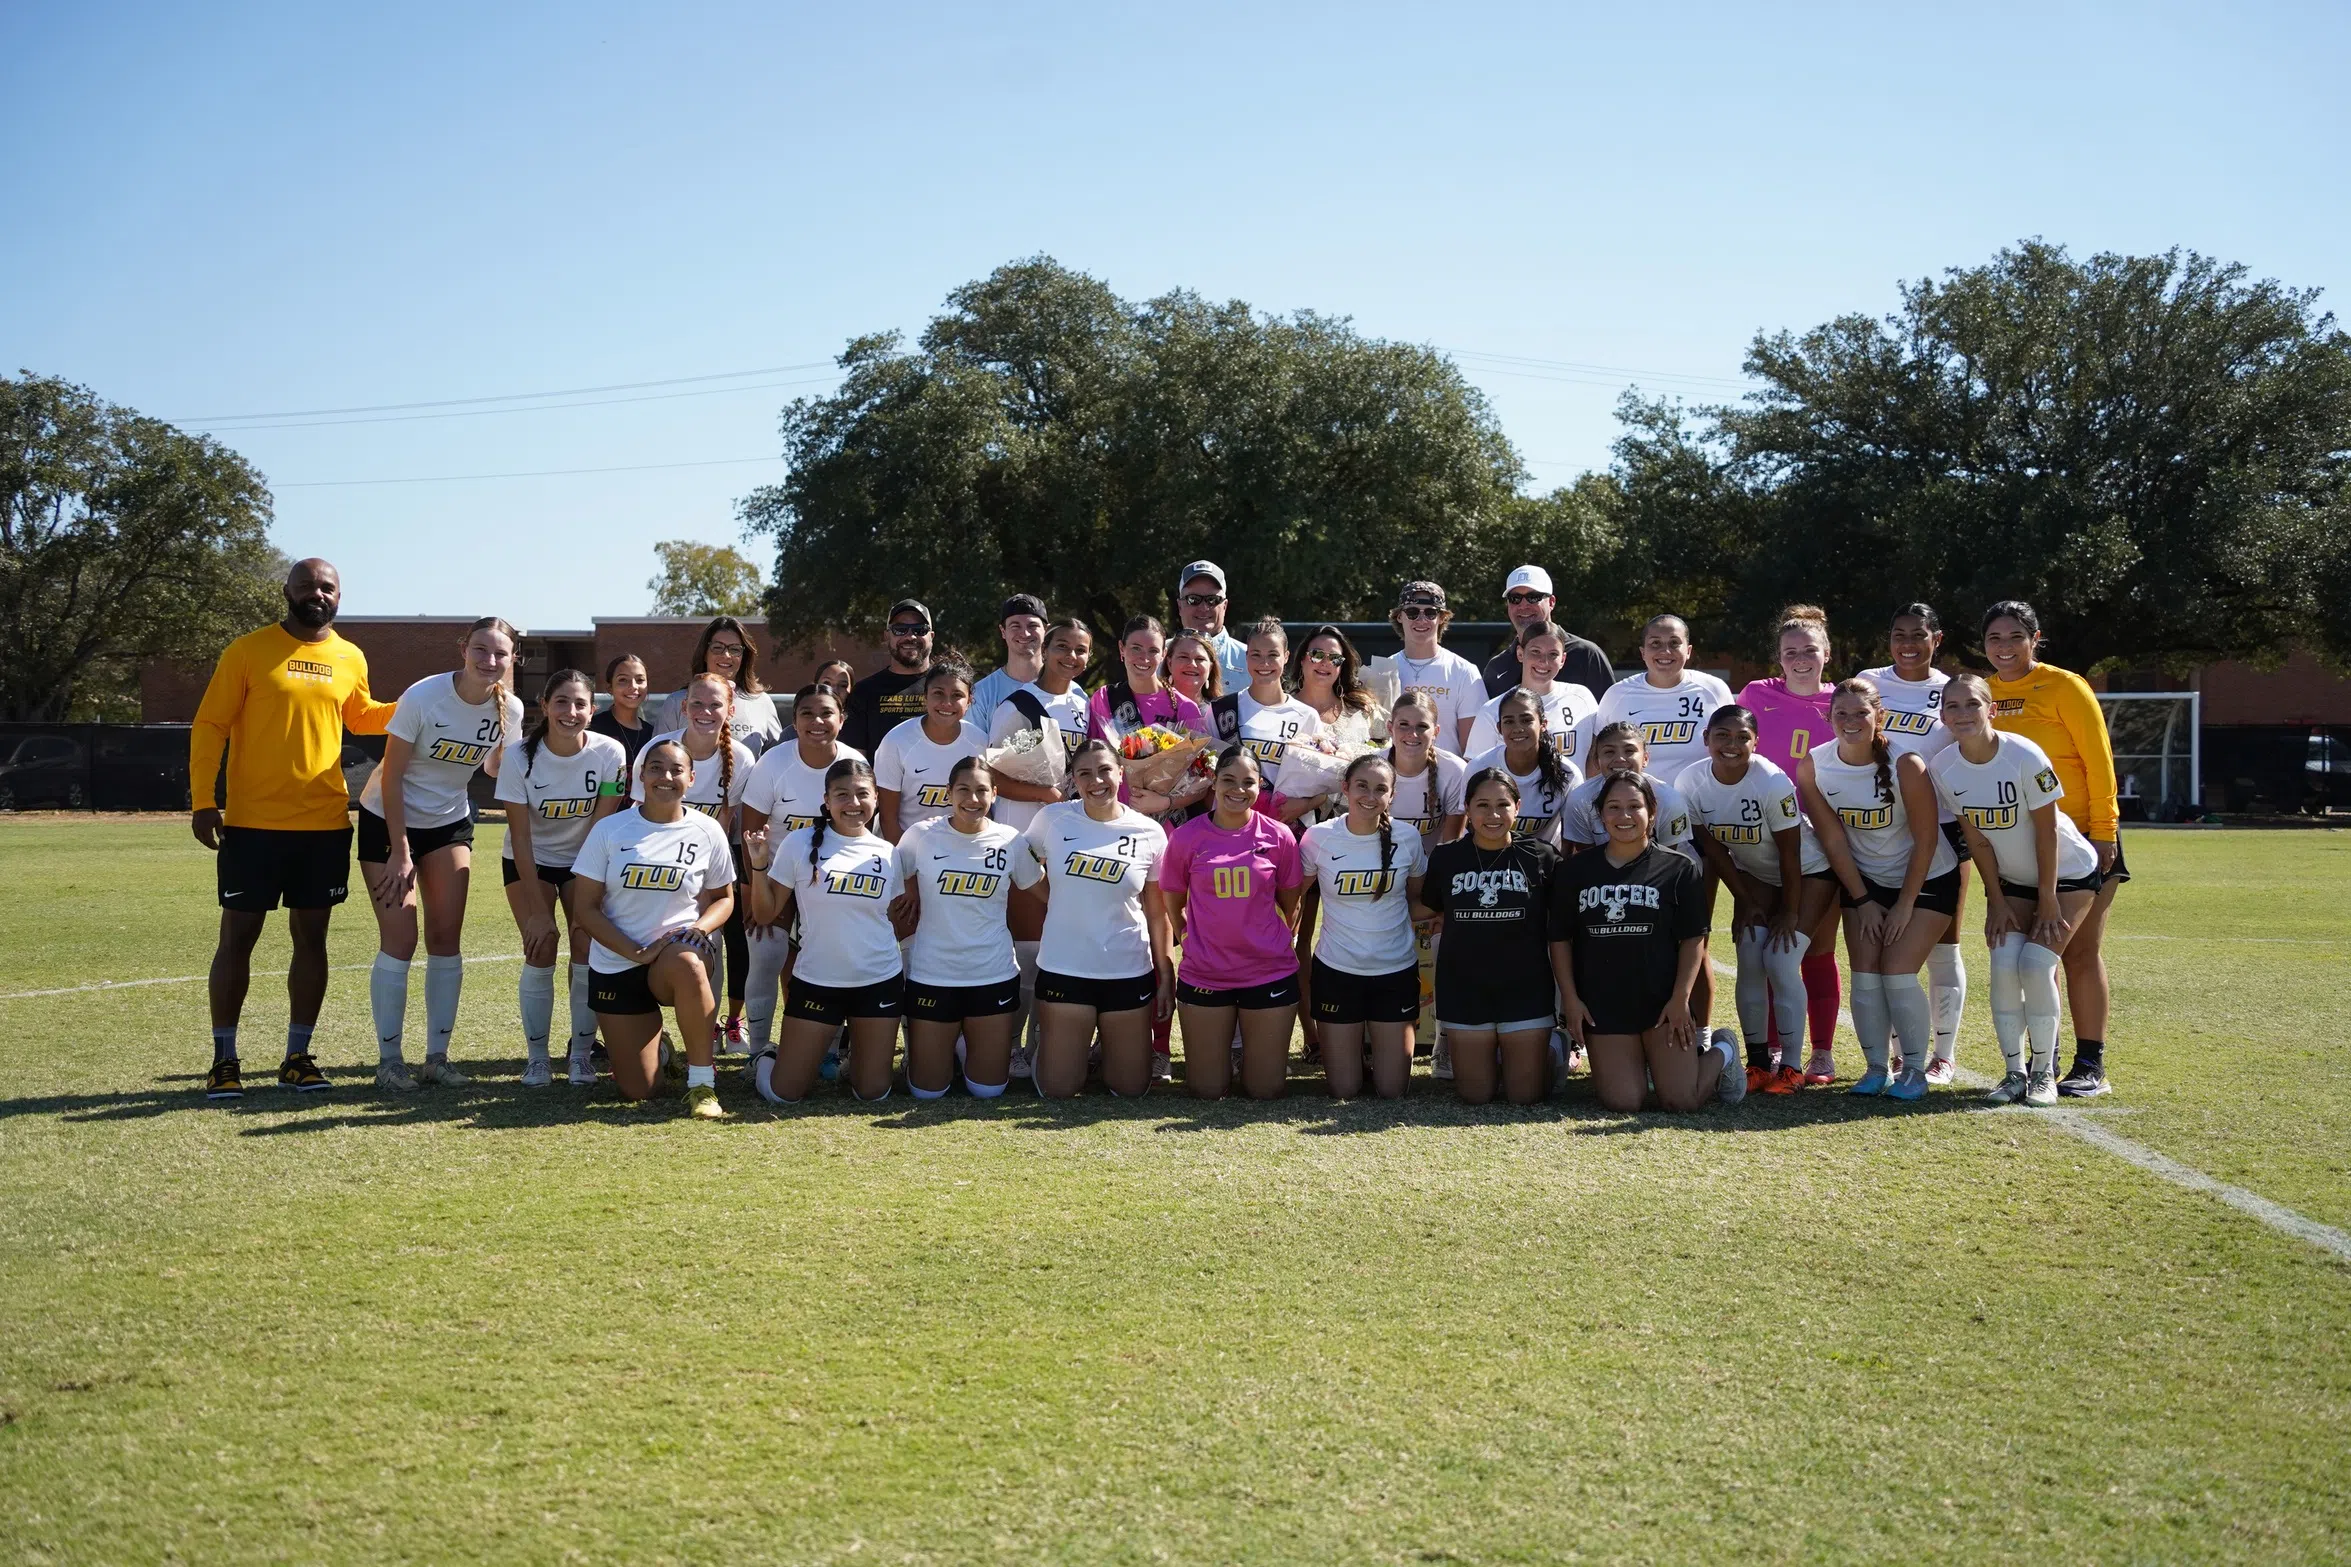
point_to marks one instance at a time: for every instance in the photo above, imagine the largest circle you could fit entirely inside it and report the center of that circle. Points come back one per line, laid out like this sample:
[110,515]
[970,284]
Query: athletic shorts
[1103,995]
[375,838]
[628,993]
[954,1003]
[1524,1025]
[2090,883]
[1936,895]
[1956,836]
[1273,993]
[834,1005]
[1344,998]
[2119,870]
[1625,1015]
[549,874]
[259,866]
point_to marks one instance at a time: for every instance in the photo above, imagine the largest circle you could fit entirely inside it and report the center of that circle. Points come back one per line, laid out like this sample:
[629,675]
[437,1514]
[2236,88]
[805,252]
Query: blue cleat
[1872,1081]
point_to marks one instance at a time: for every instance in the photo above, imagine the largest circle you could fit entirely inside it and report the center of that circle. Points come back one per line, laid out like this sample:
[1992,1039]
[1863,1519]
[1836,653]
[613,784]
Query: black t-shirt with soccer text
[1493,955]
[1625,925]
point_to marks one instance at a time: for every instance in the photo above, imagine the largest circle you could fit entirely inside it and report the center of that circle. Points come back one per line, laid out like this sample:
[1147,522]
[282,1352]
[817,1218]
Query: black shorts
[2089,883]
[1344,998]
[375,838]
[1936,895]
[1281,992]
[628,993]
[834,1005]
[259,866]
[2119,870]
[553,877]
[1103,995]
[1625,1014]
[954,1003]
[1956,836]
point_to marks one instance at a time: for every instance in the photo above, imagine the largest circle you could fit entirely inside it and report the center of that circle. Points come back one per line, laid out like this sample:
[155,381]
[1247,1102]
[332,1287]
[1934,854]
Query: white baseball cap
[1529,577]
[1201,568]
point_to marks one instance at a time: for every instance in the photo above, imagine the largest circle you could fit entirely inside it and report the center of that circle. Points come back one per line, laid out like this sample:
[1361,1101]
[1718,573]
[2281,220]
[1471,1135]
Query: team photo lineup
[1511,869]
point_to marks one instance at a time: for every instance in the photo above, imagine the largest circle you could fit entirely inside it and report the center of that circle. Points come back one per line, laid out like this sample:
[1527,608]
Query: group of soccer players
[930,876]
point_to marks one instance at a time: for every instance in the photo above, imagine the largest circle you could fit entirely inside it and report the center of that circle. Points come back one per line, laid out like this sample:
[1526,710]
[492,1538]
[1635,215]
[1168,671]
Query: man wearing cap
[1527,598]
[1021,622]
[1200,605]
[1451,681]
[890,695]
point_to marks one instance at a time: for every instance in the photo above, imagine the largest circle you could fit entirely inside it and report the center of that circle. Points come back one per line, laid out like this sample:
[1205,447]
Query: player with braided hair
[722,770]
[1366,960]
[1545,779]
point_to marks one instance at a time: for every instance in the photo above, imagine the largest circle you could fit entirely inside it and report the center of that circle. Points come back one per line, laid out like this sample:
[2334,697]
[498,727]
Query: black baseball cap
[917,605]
[1428,593]
[1019,604]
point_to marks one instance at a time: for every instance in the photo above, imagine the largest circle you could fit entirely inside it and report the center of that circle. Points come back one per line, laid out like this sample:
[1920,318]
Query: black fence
[2277,768]
[120,767]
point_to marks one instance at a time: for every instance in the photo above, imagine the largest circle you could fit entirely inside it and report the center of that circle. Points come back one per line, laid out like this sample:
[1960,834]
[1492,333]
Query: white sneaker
[2041,1088]
[1441,1058]
[2007,1091]
[1941,1070]
[583,1072]
[1821,1067]
[437,1069]
[537,1072]
[1733,1087]
[1024,1060]
[394,1075]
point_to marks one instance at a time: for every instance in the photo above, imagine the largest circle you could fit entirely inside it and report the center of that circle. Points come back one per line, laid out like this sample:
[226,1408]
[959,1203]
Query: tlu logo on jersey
[1868,818]
[1736,832]
[1910,723]
[309,669]
[1989,818]
[785,826]
[1680,731]
[1266,750]
[969,884]
[934,797]
[653,878]
[1488,886]
[566,810]
[1095,867]
[711,809]
[463,752]
[1363,884]
[855,884]
[1613,901]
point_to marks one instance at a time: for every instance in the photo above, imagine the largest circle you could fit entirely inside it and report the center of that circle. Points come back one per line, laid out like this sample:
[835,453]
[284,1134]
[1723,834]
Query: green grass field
[503,1326]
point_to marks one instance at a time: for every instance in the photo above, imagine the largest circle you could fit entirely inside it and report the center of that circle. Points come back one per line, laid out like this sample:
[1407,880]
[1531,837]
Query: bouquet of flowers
[1157,756]
[1310,768]
[1034,756]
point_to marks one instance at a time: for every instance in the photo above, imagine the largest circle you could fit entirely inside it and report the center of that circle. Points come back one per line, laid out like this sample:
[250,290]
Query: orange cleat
[1758,1079]
[1786,1080]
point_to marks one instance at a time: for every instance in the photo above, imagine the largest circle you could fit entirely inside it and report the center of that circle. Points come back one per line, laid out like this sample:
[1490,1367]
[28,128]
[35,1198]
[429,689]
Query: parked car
[45,770]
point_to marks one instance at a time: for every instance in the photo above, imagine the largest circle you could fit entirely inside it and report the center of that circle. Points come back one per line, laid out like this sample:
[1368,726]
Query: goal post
[2158,747]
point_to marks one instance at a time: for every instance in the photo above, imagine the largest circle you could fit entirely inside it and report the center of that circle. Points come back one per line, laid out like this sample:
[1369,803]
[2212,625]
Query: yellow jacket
[2056,710]
[280,706]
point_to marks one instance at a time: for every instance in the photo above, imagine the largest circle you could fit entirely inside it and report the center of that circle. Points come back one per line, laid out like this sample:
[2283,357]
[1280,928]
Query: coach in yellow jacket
[279,703]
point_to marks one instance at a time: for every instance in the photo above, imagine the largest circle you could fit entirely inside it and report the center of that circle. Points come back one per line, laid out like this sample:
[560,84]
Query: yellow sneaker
[702,1103]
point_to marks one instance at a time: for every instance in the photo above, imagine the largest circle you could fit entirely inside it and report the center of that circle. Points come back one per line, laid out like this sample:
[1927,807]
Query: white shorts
[1527,1026]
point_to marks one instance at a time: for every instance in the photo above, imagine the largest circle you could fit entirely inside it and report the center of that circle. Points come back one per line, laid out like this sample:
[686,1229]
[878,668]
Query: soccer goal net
[2158,749]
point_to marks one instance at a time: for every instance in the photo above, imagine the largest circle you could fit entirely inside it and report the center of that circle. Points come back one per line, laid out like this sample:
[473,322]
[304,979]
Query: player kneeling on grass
[843,878]
[1628,937]
[651,886]
[1366,958]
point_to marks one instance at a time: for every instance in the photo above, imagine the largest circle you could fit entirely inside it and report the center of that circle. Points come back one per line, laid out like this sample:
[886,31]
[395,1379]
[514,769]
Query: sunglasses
[1524,596]
[910,628]
[1419,612]
[730,649]
[1203,600]
[1315,655]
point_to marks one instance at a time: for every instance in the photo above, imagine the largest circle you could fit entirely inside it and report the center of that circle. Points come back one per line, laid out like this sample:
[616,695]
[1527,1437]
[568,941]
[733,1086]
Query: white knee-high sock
[1868,1000]
[769,951]
[1786,972]
[1947,989]
[387,999]
[444,980]
[583,1016]
[1751,990]
[2037,967]
[537,990]
[1910,1017]
[2008,1000]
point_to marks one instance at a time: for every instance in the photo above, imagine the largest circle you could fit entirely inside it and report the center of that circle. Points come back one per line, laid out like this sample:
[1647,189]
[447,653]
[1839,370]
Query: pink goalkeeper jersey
[1788,726]
[1233,930]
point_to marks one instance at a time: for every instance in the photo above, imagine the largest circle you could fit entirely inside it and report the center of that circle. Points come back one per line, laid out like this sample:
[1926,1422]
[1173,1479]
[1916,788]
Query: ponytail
[1547,765]
[1387,824]
[1868,692]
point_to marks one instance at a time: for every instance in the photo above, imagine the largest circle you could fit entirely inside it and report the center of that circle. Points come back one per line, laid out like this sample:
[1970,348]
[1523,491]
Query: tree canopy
[1046,436]
[121,538]
[703,579]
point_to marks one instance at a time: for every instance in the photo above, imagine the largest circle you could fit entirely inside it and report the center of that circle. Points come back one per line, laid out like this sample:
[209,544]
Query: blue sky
[259,210]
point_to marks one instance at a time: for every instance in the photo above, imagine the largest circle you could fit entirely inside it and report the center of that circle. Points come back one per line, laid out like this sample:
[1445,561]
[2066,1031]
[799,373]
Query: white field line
[191,979]
[2076,1124]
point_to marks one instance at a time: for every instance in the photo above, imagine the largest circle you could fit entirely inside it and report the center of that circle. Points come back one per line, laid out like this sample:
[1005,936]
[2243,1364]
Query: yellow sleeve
[208,734]
[2085,720]
[362,713]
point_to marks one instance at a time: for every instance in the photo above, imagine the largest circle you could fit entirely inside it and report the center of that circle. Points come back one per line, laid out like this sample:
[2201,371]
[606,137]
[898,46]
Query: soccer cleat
[2009,1090]
[1822,1068]
[1024,1061]
[2041,1087]
[537,1072]
[702,1103]
[1441,1063]
[301,1074]
[1872,1081]
[1758,1078]
[437,1070]
[2084,1080]
[730,1040]
[393,1074]
[583,1072]
[224,1081]
[1942,1070]
[1731,1087]
[1909,1087]
[1162,1067]
[1784,1080]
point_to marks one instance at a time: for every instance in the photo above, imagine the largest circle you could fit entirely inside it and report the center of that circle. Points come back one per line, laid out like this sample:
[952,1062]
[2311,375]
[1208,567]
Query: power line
[536,473]
[506,397]
[476,413]
[1588,366]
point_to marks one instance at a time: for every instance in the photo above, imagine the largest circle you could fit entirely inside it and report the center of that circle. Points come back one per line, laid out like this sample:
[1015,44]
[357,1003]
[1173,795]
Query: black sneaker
[2083,1080]
[301,1074]
[224,1081]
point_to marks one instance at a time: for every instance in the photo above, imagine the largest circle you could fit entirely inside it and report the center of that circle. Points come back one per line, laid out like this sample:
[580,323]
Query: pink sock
[1822,993]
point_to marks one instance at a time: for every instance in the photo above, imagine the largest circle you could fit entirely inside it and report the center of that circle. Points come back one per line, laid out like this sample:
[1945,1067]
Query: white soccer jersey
[653,874]
[1580,821]
[1746,816]
[755,720]
[789,792]
[1096,873]
[916,766]
[1268,731]
[1453,683]
[1538,804]
[1567,720]
[1671,719]
[1411,807]
[1914,712]
[559,793]
[1877,829]
[1366,922]
[1068,715]
[1997,798]
[844,905]
[705,794]
[449,738]
[963,879]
